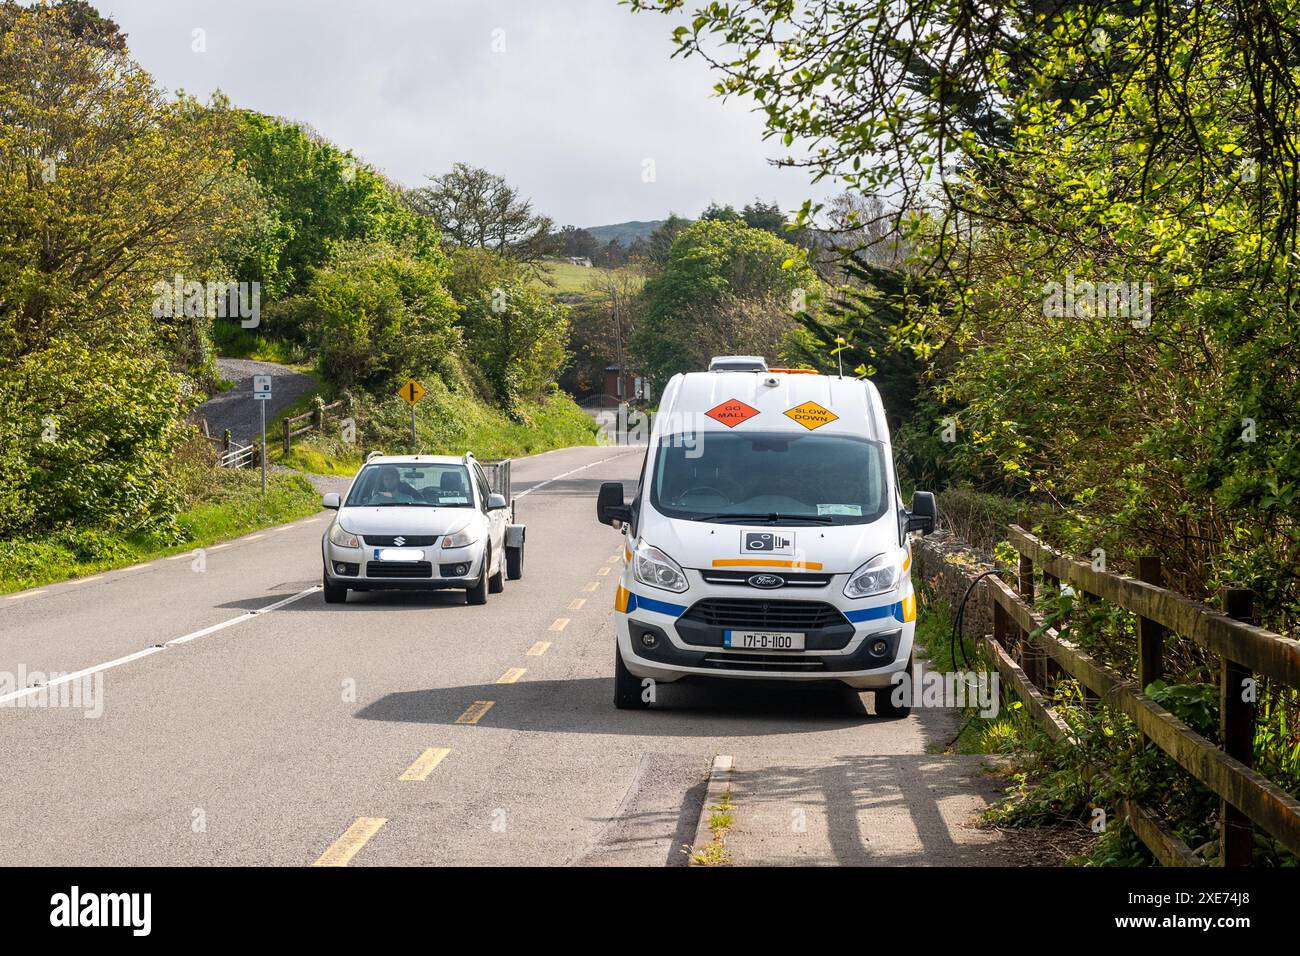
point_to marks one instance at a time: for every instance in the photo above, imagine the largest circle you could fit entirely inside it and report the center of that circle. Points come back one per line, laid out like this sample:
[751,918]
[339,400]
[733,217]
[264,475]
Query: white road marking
[86,672]
[543,484]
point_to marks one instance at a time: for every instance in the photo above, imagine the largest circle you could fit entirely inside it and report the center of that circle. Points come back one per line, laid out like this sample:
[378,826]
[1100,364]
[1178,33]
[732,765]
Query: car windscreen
[759,477]
[414,485]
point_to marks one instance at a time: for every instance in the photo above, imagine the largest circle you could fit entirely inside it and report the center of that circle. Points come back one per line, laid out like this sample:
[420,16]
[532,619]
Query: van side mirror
[330,501]
[610,508]
[923,514]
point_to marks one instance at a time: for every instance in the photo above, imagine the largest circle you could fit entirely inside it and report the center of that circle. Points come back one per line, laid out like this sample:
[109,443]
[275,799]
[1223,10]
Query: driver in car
[391,488]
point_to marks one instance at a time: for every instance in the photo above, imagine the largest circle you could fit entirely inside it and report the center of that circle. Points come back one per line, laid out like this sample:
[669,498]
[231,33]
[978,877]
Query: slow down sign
[811,415]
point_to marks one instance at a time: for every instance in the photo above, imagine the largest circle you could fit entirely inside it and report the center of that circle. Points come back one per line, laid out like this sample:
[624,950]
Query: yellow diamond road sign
[811,415]
[412,392]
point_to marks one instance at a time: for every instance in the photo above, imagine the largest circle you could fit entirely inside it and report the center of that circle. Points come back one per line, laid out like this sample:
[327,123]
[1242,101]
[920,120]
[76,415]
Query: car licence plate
[762,640]
[398,554]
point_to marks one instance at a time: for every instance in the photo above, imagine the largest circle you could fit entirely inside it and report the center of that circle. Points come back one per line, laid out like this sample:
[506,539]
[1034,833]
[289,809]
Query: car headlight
[880,574]
[651,566]
[461,539]
[342,538]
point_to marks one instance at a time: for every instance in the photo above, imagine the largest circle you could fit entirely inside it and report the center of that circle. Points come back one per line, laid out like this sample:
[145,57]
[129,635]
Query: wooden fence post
[1150,635]
[225,441]
[1031,657]
[288,436]
[1237,735]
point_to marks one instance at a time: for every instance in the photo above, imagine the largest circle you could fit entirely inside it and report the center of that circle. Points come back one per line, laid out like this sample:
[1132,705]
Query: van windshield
[770,477]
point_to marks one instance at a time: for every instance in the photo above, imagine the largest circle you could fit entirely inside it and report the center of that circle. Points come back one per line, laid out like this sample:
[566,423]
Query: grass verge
[229,504]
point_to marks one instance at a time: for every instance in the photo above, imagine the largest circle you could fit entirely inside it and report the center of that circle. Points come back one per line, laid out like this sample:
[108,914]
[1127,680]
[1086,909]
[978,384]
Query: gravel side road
[238,411]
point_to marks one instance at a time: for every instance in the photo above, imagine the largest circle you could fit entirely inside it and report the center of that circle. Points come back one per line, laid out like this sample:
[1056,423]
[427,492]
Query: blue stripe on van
[635,601]
[876,613]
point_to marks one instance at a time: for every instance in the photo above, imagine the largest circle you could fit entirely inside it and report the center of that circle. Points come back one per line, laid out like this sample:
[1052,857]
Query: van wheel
[515,563]
[884,698]
[497,583]
[334,593]
[479,592]
[627,686]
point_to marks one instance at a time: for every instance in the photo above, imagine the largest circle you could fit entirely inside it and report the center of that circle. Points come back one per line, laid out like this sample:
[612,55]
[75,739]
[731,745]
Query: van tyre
[627,686]
[515,563]
[497,583]
[334,593]
[885,706]
[479,592]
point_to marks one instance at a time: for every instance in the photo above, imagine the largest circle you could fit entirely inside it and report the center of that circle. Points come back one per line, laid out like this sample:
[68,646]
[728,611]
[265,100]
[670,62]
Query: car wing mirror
[330,501]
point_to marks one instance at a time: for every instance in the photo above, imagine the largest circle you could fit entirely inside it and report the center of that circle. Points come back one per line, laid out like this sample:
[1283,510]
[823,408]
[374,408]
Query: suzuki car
[420,522]
[767,538]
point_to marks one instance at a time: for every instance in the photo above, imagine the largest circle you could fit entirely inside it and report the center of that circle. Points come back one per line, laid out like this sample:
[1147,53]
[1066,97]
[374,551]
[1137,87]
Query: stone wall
[947,565]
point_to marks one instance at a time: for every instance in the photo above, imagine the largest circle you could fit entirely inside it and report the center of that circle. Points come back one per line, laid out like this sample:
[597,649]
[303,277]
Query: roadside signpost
[411,393]
[262,394]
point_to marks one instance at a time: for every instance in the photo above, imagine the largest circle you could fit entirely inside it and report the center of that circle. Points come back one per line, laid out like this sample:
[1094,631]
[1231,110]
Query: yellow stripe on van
[765,563]
[909,608]
[620,599]
[907,562]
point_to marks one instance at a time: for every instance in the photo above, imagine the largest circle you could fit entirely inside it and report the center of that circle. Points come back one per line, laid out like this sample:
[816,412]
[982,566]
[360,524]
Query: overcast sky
[581,96]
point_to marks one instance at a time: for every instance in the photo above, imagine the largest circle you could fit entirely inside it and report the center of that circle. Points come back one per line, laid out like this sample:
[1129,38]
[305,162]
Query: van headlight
[344,539]
[877,576]
[651,566]
[461,539]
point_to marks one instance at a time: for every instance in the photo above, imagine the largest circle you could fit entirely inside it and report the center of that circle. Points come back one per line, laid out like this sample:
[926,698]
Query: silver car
[421,522]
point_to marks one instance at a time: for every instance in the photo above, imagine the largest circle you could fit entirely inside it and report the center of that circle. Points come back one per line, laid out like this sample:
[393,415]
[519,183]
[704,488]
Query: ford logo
[767,581]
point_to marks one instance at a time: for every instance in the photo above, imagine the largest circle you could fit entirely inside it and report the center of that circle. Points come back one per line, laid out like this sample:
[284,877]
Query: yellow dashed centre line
[350,843]
[559,624]
[603,571]
[538,649]
[577,603]
[425,763]
[474,713]
[592,586]
[512,675]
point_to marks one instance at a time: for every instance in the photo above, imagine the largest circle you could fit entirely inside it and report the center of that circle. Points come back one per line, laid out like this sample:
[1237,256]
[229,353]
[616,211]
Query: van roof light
[737,363]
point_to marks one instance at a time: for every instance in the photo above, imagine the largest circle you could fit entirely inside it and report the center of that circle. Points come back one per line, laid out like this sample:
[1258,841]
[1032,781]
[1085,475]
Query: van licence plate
[763,640]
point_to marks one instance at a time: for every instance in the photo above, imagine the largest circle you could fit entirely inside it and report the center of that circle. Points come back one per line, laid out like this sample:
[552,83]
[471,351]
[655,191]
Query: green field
[569,278]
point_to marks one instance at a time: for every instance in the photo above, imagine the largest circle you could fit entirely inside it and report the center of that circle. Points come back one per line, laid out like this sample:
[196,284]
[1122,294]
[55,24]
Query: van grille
[765,615]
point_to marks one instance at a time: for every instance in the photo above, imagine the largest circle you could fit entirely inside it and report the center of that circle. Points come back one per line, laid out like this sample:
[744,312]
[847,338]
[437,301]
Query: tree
[724,288]
[477,209]
[575,242]
[377,314]
[661,240]
[106,188]
[602,323]
[767,216]
[716,213]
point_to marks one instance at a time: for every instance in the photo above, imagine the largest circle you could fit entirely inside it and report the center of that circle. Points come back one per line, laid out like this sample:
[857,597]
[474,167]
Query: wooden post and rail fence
[1248,654]
[314,420]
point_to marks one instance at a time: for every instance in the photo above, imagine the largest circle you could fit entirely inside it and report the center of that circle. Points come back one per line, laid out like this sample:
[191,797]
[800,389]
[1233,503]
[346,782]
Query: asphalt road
[280,737]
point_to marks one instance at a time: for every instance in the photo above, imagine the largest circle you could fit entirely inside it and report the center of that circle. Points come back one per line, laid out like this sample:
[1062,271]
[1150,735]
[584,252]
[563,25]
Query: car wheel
[884,698]
[334,593]
[515,563]
[627,686]
[479,592]
[497,583]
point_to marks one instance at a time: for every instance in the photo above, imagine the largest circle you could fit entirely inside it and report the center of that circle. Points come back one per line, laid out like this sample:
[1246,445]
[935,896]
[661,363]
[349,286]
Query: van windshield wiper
[769,517]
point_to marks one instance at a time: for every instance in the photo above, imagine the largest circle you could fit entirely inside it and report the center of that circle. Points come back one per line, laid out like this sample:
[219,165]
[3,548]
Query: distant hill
[625,233]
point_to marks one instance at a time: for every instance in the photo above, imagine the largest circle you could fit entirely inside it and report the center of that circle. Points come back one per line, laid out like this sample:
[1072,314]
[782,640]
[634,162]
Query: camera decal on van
[767,542]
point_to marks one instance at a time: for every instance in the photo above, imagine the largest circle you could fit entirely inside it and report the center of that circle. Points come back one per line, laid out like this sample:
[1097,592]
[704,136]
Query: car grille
[408,540]
[765,615]
[796,580]
[399,569]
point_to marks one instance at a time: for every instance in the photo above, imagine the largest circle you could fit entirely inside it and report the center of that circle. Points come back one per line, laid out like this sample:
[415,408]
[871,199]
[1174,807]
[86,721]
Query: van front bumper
[659,640]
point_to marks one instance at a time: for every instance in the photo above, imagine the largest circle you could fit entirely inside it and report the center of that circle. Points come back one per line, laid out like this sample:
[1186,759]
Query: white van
[767,538]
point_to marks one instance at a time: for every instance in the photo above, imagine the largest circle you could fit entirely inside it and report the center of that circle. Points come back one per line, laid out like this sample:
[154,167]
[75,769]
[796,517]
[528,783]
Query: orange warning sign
[811,415]
[732,412]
